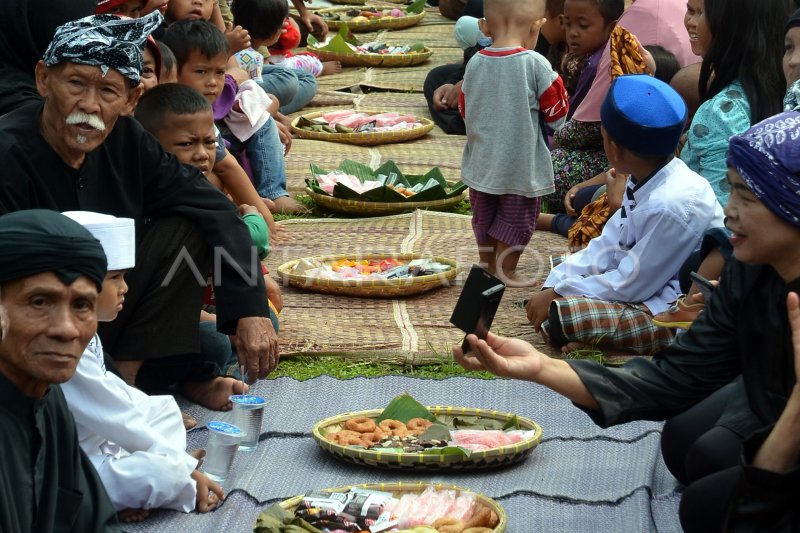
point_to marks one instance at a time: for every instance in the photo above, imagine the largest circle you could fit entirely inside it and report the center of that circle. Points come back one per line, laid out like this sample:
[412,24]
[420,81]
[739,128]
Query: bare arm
[239,186]
[516,358]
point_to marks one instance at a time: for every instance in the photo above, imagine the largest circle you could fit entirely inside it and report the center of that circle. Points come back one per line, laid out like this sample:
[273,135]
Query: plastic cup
[248,412]
[223,441]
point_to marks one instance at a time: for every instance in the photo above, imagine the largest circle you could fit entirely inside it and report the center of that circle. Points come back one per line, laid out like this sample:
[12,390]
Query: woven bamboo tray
[388,288]
[354,207]
[366,138]
[484,459]
[374,60]
[393,23]
[414,487]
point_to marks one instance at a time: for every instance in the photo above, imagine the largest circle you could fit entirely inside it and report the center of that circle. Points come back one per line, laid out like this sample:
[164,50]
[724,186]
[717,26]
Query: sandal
[679,315]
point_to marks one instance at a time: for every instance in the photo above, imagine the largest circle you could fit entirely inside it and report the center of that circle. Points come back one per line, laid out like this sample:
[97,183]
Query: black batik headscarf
[36,241]
[106,41]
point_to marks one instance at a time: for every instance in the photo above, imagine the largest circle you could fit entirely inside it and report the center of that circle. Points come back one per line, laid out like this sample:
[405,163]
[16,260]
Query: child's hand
[285,135]
[209,493]
[279,235]
[238,38]
[246,209]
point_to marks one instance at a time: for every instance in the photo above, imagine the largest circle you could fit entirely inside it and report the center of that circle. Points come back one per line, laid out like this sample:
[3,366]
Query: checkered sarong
[611,325]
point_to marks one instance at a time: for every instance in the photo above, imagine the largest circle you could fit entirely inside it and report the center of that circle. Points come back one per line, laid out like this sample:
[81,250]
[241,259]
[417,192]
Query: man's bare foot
[132,515]
[188,421]
[270,204]
[330,67]
[214,393]
[287,204]
[573,347]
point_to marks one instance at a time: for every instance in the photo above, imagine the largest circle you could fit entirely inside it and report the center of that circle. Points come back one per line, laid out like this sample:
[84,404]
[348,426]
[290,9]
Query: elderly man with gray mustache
[79,150]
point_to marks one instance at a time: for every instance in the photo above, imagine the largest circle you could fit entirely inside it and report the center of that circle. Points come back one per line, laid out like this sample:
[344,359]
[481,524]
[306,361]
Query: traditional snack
[346,438]
[417,426]
[394,428]
[361,424]
[449,524]
[478,530]
[372,438]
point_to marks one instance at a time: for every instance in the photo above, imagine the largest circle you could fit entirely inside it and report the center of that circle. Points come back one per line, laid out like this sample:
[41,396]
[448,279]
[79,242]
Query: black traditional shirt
[743,332]
[47,483]
[131,176]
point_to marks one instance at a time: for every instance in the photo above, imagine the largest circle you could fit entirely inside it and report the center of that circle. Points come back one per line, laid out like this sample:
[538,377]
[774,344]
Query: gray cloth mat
[580,478]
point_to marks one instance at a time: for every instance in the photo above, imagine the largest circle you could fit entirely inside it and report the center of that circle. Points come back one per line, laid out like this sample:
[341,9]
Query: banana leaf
[430,186]
[340,42]
[418,6]
[277,520]
[404,408]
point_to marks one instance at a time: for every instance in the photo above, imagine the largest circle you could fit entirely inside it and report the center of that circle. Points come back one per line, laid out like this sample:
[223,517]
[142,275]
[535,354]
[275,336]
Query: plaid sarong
[611,325]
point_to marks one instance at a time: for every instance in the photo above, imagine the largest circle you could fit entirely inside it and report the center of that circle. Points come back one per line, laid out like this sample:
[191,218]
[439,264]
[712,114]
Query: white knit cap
[116,235]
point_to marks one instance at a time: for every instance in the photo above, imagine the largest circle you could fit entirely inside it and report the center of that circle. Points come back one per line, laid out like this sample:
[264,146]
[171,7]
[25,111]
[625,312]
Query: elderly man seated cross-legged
[51,269]
[79,150]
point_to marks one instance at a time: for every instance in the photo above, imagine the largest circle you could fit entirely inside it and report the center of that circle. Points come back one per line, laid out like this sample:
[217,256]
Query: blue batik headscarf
[767,156]
[106,41]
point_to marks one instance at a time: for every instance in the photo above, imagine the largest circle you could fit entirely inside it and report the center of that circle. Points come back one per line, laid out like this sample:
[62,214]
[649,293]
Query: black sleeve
[765,501]
[700,361]
[175,189]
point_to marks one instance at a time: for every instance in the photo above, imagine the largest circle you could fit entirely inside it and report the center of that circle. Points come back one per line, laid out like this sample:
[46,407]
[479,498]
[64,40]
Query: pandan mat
[327,98]
[416,329]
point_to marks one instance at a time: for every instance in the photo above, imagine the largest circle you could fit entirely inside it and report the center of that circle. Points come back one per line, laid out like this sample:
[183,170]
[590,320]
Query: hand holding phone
[477,304]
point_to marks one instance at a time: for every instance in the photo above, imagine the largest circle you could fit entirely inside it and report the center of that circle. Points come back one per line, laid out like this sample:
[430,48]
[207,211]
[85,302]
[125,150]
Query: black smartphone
[705,287]
[477,304]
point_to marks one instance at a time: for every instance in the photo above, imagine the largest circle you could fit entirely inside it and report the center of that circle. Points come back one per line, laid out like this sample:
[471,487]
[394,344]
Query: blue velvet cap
[643,115]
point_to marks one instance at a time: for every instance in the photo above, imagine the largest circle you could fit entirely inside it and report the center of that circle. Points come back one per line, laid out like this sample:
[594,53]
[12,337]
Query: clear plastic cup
[248,412]
[223,441]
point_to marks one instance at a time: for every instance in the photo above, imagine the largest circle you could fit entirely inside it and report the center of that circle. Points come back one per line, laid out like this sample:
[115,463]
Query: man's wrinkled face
[81,106]
[49,325]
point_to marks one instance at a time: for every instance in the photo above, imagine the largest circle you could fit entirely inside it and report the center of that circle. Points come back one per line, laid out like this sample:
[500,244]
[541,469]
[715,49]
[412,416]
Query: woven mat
[415,329]
[580,478]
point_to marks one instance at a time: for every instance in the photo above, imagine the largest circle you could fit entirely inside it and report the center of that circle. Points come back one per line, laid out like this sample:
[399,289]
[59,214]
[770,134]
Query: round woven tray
[366,138]
[374,60]
[414,487]
[388,288]
[492,458]
[355,207]
[393,23]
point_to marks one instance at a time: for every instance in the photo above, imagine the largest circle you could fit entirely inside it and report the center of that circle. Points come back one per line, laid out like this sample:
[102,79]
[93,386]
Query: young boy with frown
[136,442]
[508,92]
[182,121]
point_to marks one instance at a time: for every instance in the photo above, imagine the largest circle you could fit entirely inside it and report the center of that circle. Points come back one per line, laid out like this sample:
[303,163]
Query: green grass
[307,367]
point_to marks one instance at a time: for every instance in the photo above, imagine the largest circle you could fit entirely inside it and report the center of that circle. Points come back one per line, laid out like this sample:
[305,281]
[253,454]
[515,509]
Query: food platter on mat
[362,138]
[448,457]
[408,59]
[356,207]
[346,48]
[305,274]
[402,503]
[357,189]
[335,17]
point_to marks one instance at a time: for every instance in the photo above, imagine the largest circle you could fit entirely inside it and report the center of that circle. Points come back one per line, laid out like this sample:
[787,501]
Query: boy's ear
[484,27]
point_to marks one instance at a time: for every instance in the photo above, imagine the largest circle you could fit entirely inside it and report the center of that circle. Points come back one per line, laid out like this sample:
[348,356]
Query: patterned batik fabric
[105,41]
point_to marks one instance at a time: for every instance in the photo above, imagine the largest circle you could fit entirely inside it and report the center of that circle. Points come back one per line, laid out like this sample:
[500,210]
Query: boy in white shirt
[607,294]
[136,442]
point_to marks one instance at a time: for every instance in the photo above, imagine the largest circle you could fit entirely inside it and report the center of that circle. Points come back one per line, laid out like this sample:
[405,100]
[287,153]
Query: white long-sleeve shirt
[637,257]
[136,442]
